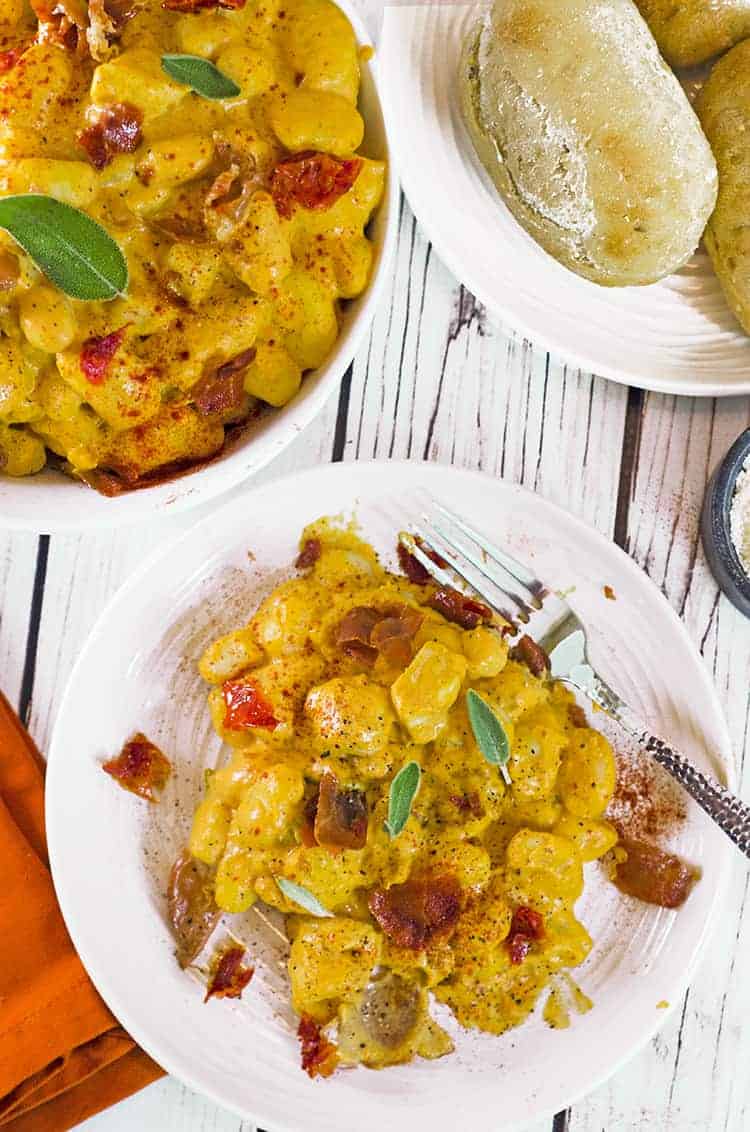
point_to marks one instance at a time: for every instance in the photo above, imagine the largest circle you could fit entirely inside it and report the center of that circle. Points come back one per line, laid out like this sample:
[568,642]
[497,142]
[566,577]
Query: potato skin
[689,32]
[723,107]
[589,137]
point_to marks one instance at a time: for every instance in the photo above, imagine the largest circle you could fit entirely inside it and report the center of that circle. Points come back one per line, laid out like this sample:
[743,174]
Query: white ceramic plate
[51,501]
[676,336]
[111,852]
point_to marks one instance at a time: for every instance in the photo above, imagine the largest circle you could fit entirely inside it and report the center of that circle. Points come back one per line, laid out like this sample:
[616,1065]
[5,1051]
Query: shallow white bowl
[51,501]
[111,852]
[676,336]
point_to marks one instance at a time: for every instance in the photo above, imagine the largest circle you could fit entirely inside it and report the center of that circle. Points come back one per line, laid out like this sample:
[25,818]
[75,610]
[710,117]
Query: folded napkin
[63,1056]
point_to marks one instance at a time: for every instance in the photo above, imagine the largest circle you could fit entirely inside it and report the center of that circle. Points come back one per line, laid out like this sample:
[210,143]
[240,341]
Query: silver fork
[512,590]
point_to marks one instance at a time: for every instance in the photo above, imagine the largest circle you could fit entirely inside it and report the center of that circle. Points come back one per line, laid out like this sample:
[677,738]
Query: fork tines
[488,570]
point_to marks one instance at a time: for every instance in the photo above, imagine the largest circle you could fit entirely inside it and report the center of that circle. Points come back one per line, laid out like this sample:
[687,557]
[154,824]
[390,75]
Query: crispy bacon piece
[528,652]
[193,913]
[340,816]
[653,875]
[116,130]
[413,568]
[107,18]
[246,706]
[63,22]
[97,354]
[468,803]
[312,180]
[319,1056]
[224,390]
[309,554]
[419,911]
[460,608]
[229,975]
[140,767]
[526,927]
[365,631]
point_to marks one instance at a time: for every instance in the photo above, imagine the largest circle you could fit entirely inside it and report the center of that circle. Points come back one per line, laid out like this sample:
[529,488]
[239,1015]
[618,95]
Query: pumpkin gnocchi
[243,220]
[470,895]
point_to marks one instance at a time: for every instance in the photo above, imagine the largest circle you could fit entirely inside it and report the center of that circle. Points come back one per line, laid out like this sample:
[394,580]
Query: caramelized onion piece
[415,913]
[366,631]
[340,816]
[390,1009]
[653,875]
[193,913]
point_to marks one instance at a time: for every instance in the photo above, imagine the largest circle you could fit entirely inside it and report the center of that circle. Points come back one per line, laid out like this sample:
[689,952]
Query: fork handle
[724,808]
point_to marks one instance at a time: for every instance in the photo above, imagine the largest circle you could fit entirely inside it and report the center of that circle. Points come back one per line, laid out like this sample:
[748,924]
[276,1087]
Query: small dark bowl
[715,528]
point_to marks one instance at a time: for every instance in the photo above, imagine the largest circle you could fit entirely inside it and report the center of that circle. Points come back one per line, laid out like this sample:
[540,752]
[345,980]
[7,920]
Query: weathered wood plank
[441,380]
[687,1078]
[18,554]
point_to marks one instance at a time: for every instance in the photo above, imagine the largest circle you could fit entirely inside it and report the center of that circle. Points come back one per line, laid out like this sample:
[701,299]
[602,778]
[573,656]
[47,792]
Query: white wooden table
[438,379]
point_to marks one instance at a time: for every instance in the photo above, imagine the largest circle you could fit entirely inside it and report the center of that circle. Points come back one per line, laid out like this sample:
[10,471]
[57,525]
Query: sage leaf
[200,75]
[299,895]
[403,791]
[489,732]
[73,251]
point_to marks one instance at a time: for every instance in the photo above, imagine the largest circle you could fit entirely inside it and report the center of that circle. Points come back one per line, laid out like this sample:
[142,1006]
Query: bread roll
[691,31]
[724,109]
[588,136]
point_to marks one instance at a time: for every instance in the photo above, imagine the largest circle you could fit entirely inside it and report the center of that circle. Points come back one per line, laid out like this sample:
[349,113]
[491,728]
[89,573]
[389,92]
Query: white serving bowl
[51,501]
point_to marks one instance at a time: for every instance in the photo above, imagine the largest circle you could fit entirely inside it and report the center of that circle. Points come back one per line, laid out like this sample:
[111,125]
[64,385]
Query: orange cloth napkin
[63,1056]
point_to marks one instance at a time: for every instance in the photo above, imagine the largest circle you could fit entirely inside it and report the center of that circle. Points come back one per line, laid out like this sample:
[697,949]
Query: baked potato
[588,136]
[689,32]
[724,110]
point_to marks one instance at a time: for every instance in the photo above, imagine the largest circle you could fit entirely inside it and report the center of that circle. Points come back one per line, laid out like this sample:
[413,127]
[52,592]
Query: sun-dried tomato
[229,975]
[319,1056]
[140,767]
[528,652]
[653,875]
[246,706]
[340,816]
[460,608]
[413,568]
[312,180]
[97,355]
[309,554]
[419,911]
[577,715]
[117,129]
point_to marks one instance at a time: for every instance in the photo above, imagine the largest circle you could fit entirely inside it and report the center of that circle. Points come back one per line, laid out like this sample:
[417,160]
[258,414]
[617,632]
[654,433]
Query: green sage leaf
[489,732]
[200,75]
[299,895]
[73,251]
[403,791]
